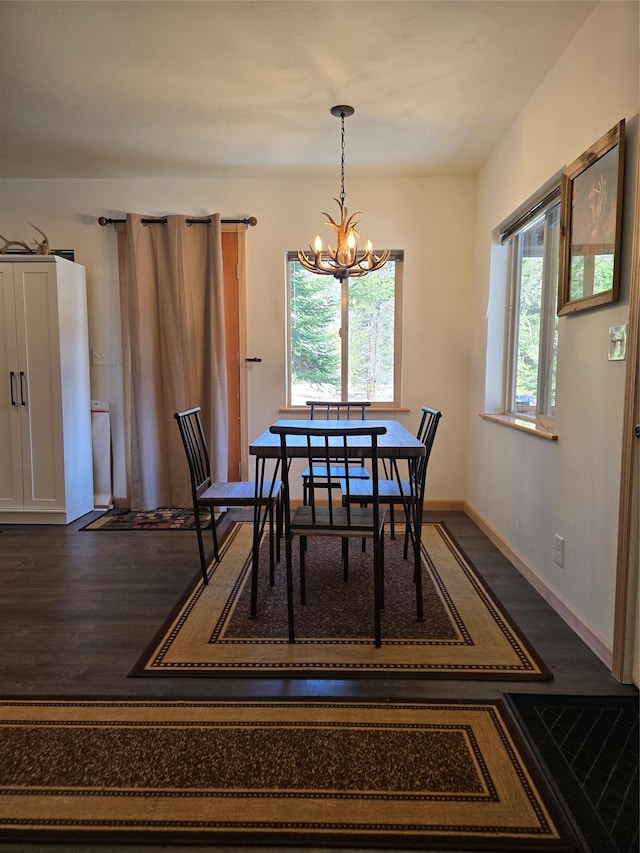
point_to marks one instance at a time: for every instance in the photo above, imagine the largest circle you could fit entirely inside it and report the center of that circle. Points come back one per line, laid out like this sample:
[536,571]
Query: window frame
[395,255]
[544,206]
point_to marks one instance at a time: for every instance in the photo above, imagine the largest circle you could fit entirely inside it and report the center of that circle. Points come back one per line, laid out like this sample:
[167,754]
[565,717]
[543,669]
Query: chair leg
[345,559]
[203,562]
[418,583]
[382,570]
[287,548]
[272,578]
[255,560]
[417,562]
[303,583]
[279,525]
[214,533]
[377,592]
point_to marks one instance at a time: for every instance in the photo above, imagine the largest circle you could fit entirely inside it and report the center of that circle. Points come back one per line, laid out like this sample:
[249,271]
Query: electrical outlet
[103,357]
[559,555]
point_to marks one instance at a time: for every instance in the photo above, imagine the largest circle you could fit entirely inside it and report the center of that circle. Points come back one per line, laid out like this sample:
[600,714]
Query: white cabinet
[46,473]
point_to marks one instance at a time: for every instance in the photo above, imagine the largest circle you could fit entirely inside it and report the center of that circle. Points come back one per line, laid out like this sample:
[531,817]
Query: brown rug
[446,776]
[466,633]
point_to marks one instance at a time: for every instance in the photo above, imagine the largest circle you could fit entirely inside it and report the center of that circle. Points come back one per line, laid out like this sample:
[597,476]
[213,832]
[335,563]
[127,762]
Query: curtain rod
[162,220]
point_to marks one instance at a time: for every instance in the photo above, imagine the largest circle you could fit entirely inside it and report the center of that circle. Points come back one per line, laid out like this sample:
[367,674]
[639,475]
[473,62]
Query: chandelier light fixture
[345,261]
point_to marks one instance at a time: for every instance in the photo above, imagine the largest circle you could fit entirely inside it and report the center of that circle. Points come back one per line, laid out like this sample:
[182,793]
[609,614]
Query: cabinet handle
[12,377]
[22,402]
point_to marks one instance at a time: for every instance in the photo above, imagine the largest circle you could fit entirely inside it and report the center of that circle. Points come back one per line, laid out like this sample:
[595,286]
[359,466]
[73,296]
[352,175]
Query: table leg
[262,510]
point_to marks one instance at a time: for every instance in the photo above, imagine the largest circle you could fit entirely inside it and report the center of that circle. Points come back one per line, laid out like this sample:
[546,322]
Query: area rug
[589,748]
[163,518]
[466,633]
[446,776]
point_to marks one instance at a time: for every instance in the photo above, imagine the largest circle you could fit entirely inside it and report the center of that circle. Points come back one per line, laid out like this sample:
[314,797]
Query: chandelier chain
[342,194]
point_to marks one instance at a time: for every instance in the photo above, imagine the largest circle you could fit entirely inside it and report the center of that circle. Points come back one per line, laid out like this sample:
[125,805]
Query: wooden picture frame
[591,225]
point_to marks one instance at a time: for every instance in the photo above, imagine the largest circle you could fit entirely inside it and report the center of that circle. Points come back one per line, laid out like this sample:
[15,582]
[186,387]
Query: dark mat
[163,518]
[588,746]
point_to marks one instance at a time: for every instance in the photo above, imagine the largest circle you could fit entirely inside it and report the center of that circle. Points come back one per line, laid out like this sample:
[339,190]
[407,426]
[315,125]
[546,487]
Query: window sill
[522,424]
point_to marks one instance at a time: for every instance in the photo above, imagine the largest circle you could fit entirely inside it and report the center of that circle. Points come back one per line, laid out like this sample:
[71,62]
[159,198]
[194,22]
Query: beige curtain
[172,312]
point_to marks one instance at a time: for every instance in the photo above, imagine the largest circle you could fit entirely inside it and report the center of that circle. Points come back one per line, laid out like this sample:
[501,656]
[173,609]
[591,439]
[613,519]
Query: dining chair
[331,446]
[334,411]
[409,493]
[261,495]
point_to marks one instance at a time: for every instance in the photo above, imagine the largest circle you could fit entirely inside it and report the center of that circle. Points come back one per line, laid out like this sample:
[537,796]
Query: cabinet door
[10,443]
[39,358]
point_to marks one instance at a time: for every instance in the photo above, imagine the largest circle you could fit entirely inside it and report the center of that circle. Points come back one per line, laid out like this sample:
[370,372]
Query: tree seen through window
[342,335]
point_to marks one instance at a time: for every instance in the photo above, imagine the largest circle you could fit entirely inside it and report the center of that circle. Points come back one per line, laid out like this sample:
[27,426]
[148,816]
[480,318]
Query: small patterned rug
[163,518]
[439,775]
[466,632]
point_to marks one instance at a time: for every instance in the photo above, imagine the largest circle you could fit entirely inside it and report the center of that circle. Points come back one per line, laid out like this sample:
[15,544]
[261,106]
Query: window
[534,251]
[344,337]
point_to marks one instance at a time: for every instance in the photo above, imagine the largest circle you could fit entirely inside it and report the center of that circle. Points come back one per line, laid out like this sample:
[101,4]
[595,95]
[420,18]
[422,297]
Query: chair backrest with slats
[331,446]
[426,434]
[195,447]
[338,410]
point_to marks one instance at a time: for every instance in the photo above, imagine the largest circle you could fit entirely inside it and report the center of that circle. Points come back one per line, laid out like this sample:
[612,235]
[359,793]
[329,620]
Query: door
[40,402]
[11,493]
[31,459]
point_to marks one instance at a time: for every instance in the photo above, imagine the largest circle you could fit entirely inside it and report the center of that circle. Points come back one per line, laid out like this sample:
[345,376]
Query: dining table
[395,445]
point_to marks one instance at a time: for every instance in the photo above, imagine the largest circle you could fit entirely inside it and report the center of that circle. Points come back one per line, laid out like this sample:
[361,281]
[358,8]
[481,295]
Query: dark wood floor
[78,608]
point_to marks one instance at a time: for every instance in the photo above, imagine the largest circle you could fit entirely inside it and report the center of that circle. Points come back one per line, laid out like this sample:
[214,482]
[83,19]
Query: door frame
[626,598]
[240,232]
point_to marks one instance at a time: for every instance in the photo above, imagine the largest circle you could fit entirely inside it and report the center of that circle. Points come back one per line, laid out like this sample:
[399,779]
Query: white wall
[431,219]
[524,488]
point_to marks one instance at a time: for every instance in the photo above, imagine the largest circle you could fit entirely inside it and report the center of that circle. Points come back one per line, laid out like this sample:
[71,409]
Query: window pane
[531,387]
[603,273]
[342,336]
[531,244]
[315,336]
[371,335]
[577,283]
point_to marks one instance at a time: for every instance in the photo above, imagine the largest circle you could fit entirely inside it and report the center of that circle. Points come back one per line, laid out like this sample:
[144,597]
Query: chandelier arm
[314,265]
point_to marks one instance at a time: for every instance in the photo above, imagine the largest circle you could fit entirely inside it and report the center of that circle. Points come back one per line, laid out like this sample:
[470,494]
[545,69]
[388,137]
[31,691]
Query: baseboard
[429,506]
[563,608]
[444,506]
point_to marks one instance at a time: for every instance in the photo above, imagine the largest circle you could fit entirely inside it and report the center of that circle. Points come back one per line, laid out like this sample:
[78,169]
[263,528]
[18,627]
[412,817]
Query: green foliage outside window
[371,335]
[315,319]
[319,354]
[534,331]
[529,327]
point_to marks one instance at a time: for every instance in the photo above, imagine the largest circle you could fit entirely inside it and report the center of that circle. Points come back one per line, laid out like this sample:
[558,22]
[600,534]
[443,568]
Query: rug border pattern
[531,667]
[551,831]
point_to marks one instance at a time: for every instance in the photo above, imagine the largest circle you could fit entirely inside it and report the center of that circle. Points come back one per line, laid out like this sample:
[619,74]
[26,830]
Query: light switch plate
[103,357]
[618,343]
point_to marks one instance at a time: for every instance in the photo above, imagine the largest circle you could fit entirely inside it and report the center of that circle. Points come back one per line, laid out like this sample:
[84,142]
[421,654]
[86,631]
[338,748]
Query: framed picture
[591,225]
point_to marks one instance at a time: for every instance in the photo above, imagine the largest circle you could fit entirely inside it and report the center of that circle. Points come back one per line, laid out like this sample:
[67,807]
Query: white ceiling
[217,88]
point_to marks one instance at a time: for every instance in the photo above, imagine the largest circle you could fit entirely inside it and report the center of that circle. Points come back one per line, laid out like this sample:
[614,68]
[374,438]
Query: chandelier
[345,260]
